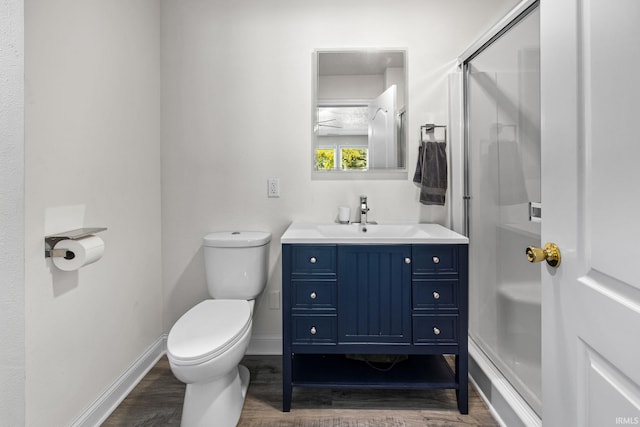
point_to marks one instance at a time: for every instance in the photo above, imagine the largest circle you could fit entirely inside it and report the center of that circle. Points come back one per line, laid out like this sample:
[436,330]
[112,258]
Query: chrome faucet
[363,209]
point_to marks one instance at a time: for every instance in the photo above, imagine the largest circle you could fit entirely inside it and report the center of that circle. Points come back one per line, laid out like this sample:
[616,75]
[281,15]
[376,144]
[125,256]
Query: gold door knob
[550,253]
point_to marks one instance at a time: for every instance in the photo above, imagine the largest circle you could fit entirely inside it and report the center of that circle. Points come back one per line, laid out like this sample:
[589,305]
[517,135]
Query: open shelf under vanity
[339,371]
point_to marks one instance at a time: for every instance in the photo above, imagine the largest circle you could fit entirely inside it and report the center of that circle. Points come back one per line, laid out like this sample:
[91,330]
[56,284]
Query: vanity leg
[286,398]
[462,378]
[286,382]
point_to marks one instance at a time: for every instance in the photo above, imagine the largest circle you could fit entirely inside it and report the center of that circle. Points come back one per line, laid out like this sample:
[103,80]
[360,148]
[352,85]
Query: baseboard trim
[505,404]
[265,345]
[109,400]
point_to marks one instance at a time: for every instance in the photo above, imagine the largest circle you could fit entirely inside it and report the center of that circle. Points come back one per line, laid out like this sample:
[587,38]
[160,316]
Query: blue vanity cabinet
[343,300]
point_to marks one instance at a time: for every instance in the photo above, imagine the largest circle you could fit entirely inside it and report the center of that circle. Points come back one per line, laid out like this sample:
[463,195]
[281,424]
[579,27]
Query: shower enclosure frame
[508,404]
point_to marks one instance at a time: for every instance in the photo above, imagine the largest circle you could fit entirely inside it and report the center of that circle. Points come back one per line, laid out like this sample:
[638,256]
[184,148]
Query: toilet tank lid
[237,239]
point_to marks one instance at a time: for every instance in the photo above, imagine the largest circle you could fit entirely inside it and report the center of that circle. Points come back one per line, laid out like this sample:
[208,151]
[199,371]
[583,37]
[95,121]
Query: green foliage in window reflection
[354,158]
[325,159]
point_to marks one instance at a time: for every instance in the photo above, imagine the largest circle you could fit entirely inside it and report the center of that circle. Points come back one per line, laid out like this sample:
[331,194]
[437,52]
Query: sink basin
[365,231]
[371,233]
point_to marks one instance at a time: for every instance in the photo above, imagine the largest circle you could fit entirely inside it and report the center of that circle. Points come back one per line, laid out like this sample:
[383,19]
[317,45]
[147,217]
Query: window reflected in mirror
[343,131]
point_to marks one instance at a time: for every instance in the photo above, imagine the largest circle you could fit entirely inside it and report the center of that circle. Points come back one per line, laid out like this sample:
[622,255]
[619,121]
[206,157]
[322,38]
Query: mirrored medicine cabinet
[359,114]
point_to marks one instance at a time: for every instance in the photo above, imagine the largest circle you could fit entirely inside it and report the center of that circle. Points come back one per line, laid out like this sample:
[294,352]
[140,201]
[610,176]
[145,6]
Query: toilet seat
[208,330]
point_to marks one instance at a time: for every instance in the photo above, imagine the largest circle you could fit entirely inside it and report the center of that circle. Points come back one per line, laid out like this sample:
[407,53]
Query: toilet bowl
[204,349]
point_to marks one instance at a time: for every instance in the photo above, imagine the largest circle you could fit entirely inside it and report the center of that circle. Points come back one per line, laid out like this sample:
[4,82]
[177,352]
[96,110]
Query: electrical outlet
[274,300]
[273,187]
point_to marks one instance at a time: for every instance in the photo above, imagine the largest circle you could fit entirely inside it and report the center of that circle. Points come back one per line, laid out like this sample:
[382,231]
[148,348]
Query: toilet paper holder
[79,233]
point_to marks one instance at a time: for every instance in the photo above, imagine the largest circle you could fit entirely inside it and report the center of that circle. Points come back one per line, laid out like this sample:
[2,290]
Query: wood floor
[157,401]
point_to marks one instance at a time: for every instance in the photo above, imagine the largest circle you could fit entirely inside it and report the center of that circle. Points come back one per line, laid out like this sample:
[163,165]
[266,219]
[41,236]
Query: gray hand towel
[417,177]
[431,172]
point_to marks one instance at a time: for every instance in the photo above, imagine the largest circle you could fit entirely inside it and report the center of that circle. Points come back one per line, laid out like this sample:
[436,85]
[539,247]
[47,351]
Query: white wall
[237,109]
[93,159]
[12,311]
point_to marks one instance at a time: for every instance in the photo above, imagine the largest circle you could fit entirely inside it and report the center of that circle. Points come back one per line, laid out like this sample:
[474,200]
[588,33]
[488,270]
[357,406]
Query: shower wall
[502,96]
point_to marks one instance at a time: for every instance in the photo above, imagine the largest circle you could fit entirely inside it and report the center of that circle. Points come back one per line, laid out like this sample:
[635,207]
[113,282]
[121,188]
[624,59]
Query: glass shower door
[502,97]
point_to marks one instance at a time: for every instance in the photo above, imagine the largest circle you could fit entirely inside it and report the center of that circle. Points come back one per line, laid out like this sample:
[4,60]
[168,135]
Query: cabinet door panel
[374,295]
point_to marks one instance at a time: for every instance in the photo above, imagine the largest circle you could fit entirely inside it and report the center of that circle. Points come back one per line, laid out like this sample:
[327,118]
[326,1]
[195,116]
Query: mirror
[359,114]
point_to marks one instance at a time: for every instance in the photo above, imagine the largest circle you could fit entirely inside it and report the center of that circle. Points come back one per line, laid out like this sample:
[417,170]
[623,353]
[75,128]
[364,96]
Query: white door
[590,103]
[382,130]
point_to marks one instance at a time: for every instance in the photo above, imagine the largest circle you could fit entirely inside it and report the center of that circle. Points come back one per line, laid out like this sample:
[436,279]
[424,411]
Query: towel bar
[430,129]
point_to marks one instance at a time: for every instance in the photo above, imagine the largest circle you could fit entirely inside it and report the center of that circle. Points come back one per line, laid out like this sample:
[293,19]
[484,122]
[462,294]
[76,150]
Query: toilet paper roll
[85,251]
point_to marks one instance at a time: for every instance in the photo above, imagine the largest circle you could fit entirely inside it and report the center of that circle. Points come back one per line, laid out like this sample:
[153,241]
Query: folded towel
[431,172]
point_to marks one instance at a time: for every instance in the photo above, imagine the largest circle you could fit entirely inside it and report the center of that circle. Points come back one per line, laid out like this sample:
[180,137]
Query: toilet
[205,346]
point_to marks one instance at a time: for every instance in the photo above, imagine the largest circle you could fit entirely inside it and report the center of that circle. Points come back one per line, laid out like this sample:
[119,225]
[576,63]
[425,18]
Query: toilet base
[245,377]
[218,402]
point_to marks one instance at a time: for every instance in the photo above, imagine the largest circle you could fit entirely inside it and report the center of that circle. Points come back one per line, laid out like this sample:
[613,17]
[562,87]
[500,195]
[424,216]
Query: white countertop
[386,233]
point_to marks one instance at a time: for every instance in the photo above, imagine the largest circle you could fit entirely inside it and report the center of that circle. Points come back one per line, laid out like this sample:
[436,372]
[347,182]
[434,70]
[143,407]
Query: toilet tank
[236,263]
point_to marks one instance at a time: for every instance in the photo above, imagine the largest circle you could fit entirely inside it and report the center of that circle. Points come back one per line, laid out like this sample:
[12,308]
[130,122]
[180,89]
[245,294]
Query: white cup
[344,215]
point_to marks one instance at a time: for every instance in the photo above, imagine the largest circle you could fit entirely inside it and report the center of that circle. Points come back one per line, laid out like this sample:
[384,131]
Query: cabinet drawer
[437,329]
[435,294]
[313,260]
[435,259]
[314,294]
[313,329]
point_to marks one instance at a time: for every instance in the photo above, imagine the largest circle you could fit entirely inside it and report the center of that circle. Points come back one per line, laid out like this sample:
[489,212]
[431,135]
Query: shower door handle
[550,253]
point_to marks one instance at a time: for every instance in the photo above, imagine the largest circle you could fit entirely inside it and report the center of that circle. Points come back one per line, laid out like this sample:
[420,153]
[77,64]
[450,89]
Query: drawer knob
[407,260]
[313,295]
[436,260]
[313,260]
[436,331]
[436,295]
[313,330]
